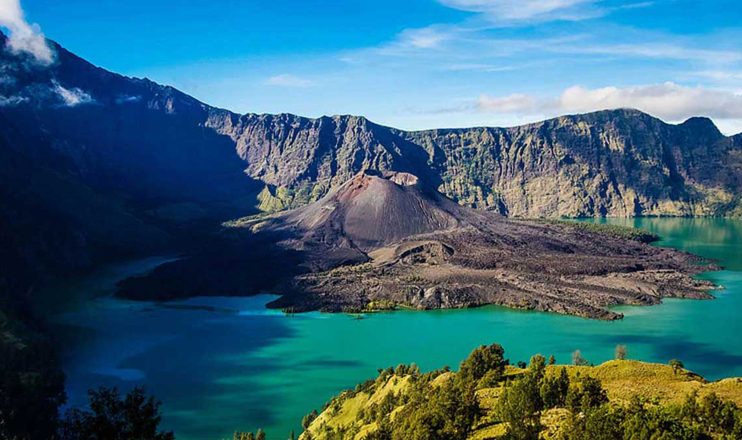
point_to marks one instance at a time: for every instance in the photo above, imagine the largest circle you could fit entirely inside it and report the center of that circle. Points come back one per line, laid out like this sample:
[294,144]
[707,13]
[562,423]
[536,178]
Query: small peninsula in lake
[386,240]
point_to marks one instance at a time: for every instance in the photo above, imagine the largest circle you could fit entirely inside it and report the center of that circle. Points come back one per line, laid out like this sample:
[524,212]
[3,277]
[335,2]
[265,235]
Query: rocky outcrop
[309,157]
[610,163]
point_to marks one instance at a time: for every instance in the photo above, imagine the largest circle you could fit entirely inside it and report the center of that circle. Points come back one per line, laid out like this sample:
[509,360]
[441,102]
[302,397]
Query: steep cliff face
[302,159]
[610,163]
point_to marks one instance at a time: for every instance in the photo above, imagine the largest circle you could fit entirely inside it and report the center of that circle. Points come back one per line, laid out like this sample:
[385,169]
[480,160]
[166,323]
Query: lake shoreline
[261,368]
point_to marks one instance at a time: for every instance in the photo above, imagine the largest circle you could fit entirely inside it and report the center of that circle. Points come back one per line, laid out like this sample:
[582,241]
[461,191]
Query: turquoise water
[225,364]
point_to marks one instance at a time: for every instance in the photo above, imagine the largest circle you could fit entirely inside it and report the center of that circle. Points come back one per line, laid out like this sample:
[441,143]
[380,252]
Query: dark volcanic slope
[371,210]
[97,166]
[415,247]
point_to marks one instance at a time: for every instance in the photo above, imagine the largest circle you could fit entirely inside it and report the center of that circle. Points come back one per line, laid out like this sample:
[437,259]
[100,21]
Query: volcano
[370,211]
[373,209]
[389,240]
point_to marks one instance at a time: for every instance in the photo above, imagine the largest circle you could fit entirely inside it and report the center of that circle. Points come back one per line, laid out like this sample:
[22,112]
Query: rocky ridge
[610,163]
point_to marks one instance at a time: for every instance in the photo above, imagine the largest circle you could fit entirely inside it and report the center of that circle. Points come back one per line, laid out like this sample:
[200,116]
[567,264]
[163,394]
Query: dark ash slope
[390,241]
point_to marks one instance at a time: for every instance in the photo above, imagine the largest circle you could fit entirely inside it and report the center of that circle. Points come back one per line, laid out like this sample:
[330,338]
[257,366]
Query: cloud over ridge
[24,37]
[668,100]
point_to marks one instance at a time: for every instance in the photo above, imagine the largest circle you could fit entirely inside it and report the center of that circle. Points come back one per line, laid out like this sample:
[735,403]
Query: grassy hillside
[611,400]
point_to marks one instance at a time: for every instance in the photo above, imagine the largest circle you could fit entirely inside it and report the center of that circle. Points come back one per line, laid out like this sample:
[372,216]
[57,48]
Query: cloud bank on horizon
[434,63]
[668,101]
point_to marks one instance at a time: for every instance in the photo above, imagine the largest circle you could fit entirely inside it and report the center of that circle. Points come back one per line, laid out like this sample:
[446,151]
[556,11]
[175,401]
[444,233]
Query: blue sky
[420,63]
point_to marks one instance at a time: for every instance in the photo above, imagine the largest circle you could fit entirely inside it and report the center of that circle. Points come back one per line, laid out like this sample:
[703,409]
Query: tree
[31,382]
[519,407]
[712,415]
[577,359]
[490,380]
[593,394]
[481,360]
[308,419]
[651,422]
[601,423]
[537,367]
[554,389]
[721,416]
[260,435]
[589,394]
[552,360]
[136,416]
[676,365]
[621,352]
[442,411]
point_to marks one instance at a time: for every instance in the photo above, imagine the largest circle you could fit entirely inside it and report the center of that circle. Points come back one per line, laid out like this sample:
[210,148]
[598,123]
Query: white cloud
[72,97]
[720,75]
[9,101]
[417,41]
[515,11]
[654,51]
[425,38]
[515,103]
[123,99]
[729,126]
[471,48]
[24,37]
[669,101]
[288,80]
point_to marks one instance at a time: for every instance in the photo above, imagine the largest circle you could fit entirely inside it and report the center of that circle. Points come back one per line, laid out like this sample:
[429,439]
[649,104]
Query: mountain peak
[701,123]
[623,112]
[374,208]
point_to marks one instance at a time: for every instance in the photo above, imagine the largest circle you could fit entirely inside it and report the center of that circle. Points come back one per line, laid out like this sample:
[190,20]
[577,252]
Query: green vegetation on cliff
[490,399]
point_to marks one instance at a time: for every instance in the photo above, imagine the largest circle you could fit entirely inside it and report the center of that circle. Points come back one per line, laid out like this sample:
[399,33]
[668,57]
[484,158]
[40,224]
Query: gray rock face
[609,163]
[311,156]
